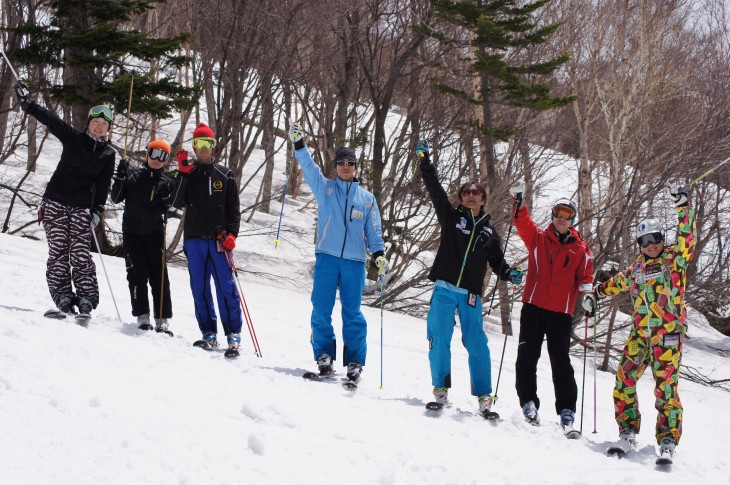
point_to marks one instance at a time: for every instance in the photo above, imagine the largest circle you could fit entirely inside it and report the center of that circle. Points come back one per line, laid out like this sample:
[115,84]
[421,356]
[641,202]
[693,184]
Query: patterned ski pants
[664,353]
[68,232]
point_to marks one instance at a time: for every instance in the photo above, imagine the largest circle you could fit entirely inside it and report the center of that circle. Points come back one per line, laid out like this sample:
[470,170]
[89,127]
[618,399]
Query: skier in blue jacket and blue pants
[348,226]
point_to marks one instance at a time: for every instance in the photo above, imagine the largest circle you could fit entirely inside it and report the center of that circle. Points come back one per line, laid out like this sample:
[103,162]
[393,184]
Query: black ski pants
[144,256]
[535,324]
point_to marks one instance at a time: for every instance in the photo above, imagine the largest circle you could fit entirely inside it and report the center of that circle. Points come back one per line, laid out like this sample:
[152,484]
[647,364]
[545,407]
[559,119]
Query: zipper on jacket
[469,245]
[344,218]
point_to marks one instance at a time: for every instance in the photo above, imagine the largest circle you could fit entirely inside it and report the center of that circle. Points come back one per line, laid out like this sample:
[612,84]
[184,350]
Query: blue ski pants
[329,273]
[445,301]
[204,263]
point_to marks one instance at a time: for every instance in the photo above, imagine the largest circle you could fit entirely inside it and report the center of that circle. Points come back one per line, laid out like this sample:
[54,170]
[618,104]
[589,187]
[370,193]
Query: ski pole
[382,296]
[244,306]
[10,66]
[709,171]
[164,260]
[283,199]
[103,266]
[595,367]
[129,114]
[583,385]
[504,345]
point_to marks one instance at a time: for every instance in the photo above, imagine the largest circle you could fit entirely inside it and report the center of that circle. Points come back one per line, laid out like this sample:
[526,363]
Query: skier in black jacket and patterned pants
[147,192]
[73,202]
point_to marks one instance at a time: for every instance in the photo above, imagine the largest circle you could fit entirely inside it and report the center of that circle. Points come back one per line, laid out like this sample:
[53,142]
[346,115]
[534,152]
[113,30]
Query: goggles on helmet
[203,142]
[563,212]
[651,238]
[158,154]
[101,111]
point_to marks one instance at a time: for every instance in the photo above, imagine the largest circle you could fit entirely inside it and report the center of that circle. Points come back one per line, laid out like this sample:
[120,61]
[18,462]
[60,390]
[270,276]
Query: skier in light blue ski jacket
[348,227]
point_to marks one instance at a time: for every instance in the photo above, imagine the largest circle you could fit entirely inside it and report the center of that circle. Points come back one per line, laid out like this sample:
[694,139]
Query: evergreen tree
[91,42]
[485,33]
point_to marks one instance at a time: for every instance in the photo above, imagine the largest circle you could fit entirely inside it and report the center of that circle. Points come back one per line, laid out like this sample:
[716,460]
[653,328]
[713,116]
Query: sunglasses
[563,213]
[158,154]
[202,143]
[473,192]
[652,238]
[101,111]
[343,163]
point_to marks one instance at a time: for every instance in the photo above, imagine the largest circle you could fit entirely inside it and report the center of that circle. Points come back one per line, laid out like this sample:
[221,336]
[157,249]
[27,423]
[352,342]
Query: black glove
[21,91]
[163,190]
[122,169]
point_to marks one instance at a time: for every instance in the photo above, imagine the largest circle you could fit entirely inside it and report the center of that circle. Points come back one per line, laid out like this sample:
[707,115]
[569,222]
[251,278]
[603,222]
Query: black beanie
[344,153]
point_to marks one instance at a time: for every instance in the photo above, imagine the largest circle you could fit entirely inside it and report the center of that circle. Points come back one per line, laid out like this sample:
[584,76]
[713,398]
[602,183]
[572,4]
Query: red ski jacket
[555,271]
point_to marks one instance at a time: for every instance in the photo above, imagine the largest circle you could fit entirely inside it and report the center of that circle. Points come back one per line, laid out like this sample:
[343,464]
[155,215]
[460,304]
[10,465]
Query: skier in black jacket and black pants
[147,192]
[73,203]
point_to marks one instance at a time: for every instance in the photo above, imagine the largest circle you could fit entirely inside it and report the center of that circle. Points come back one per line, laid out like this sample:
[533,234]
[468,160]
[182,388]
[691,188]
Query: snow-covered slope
[109,404]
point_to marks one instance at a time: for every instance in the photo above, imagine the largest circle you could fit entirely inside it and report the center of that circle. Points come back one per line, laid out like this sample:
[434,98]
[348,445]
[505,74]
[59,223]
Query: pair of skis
[230,353]
[81,319]
[149,327]
[438,407]
[620,452]
[348,384]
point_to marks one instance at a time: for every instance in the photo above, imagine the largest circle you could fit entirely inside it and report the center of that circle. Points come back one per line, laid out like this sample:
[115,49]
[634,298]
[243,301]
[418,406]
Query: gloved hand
[679,193]
[517,192]
[422,151]
[229,242]
[184,166]
[515,276]
[296,135]
[381,263]
[163,190]
[21,91]
[122,169]
[95,218]
[589,304]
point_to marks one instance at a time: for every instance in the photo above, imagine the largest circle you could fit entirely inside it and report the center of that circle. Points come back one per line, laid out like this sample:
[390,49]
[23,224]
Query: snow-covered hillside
[110,404]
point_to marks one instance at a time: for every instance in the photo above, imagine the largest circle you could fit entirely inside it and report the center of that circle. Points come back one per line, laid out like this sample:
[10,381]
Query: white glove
[679,194]
[517,189]
[296,132]
[589,304]
[382,264]
[95,219]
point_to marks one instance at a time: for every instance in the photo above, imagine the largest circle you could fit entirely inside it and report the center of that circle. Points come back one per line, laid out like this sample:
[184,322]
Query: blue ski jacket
[348,223]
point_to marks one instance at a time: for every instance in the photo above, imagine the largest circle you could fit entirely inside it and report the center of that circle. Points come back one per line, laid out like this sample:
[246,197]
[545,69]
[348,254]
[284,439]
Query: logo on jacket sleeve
[217,186]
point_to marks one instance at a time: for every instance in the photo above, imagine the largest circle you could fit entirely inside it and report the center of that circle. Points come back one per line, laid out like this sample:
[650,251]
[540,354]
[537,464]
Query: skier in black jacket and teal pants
[466,245]
[73,203]
[147,195]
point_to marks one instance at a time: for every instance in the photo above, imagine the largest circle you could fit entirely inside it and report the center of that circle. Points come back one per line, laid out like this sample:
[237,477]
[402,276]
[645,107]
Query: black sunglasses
[342,163]
[473,192]
[652,238]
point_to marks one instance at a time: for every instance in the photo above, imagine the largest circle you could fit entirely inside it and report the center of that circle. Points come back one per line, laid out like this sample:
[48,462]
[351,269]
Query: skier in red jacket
[560,264]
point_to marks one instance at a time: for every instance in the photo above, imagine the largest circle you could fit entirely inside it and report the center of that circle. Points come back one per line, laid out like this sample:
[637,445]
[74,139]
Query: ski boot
[208,342]
[485,406]
[143,322]
[162,326]
[529,411]
[234,342]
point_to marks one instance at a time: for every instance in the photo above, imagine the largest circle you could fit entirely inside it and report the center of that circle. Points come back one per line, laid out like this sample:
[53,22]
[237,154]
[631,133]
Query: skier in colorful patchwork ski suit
[348,227]
[146,192]
[209,193]
[656,282]
[467,244]
[73,203]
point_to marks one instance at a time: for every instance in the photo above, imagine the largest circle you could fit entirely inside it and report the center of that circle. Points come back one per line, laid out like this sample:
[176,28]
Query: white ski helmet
[565,203]
[646,231]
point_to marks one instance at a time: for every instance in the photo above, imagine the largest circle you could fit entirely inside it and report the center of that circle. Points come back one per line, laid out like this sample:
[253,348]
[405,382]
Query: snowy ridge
[111,404]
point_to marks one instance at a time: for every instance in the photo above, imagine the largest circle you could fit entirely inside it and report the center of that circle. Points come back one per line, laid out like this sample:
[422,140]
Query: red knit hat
[203,131]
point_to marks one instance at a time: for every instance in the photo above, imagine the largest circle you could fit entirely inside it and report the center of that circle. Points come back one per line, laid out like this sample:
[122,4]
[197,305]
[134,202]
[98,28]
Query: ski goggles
[203,143]
[158,154]
[343,163]
[101,111]
[562,212]
[651,238]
